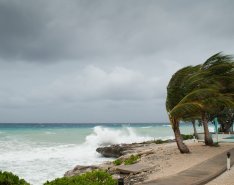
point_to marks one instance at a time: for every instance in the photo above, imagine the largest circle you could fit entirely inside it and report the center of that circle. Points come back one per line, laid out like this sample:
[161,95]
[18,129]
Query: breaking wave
[38,161]
[106,136]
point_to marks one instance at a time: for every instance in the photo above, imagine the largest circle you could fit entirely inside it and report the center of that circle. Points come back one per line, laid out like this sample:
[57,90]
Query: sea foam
[38,162]
[106,136]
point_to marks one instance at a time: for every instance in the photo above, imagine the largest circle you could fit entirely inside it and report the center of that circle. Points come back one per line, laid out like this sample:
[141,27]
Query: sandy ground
[168,160]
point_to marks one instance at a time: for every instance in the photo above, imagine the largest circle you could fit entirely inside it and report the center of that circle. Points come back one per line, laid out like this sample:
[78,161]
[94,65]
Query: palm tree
[176,90]
[218,72]
[193,121]
[201,103]
[200,92]
[226,119]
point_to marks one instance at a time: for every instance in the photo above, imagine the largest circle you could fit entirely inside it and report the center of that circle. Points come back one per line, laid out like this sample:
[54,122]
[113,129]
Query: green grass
[131,160]
[117,162]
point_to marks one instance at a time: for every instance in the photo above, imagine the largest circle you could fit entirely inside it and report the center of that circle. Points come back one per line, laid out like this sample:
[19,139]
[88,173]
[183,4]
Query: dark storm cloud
[62,60]
[70,30]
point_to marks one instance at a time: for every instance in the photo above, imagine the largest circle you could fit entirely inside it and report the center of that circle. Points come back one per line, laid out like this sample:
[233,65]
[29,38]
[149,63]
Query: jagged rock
[119,150]
[80,169]
[113,150]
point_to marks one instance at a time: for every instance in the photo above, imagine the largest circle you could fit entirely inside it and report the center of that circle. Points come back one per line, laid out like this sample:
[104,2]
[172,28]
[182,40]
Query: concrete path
[225,178]
[198,174]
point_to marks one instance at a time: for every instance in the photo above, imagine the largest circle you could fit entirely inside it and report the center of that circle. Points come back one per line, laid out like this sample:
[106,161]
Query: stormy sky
[102,60]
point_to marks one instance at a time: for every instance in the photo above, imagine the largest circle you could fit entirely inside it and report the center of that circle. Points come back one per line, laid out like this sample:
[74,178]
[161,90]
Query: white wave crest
[166,125]
[106,136]
[147,127]
[47,161]
[50,160]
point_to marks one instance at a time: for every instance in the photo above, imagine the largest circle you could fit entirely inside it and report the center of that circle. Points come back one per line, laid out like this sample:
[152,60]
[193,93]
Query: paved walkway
[198,174]
[225,178]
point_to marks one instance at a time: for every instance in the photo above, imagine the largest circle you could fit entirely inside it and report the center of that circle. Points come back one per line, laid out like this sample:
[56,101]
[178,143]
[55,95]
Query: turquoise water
[40,152]
[232,137]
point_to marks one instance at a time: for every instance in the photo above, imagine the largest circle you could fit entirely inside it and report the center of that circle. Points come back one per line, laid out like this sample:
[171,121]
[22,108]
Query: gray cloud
[62,60]
[53,31]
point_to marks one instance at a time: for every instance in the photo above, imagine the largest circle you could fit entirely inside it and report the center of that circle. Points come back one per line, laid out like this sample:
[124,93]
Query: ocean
[41,152]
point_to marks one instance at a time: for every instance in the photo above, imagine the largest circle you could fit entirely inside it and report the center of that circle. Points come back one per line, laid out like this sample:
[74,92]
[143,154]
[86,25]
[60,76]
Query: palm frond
[216,59]
[200,94]
[186,110]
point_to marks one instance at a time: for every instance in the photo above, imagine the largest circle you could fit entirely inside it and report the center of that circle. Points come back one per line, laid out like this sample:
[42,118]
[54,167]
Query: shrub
[117,162]
[186,137]
[131,160]
[96,177]
[159,141]
[8,178]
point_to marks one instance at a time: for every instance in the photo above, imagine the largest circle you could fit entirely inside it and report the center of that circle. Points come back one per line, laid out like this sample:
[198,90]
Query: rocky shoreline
[155,159]
[136,172]
[119,150]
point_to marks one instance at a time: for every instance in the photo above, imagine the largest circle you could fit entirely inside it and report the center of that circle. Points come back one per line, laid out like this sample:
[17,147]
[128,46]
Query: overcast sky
[102,60]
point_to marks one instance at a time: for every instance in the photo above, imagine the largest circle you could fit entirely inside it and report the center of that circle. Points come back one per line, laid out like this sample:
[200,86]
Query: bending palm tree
[176,90]
[199,92]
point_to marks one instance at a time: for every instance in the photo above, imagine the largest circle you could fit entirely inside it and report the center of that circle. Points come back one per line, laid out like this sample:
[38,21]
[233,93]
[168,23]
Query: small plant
[131,160]
[96,177]
[186,137]
[117,162]
[8,178]
[159,141]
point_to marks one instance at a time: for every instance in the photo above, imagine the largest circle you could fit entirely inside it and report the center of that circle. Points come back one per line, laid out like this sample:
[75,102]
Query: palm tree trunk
[194,129]
[208,138]
[179,141]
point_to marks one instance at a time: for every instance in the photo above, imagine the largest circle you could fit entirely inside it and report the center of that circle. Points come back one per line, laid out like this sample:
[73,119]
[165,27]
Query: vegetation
[186,137]
[159,141]
[117,162]
[226,119]
[96,177]
[8,178]
[200,93]
[131,160]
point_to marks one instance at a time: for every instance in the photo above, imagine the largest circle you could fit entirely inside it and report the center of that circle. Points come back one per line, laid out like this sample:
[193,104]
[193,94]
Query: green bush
[186,137]
[159,141]
[131,160]
[8,178]
[117,162]
[96,177]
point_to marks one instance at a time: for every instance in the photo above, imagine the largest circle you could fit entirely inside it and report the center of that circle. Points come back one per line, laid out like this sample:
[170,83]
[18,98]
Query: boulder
[114,150]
